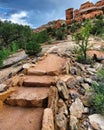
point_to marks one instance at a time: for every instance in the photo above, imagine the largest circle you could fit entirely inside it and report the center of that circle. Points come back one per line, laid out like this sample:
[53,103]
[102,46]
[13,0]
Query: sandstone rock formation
[69,15]
[87,10]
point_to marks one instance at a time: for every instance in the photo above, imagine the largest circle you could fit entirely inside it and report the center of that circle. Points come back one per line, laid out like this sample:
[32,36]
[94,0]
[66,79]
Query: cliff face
[52,24]
[87,10]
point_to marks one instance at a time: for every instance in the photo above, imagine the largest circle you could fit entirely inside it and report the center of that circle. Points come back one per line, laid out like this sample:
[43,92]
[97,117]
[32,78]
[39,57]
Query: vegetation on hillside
[98,26]
[97,99]
[81,39]
[14,36]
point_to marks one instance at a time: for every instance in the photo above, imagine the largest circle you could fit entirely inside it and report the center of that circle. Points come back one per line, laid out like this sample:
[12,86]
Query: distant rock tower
[69,15]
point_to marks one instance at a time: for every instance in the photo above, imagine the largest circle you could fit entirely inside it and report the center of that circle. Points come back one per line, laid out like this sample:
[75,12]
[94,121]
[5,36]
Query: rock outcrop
[87,10]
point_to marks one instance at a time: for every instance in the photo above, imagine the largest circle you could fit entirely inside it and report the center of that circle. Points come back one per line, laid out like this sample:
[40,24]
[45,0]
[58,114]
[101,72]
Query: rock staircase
[23,109]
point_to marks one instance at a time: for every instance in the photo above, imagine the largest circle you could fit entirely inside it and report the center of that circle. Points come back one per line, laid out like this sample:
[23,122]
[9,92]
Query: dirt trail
[16,118]
[24,108]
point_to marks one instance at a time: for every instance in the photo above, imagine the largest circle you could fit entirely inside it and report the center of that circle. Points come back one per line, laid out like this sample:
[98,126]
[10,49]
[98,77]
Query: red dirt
[16,118]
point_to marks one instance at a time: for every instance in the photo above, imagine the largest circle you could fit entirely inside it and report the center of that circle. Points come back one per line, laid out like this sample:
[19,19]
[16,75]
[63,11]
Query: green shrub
[98,26]
[81,39]
[4,53]
[74,27]
[60,35]
[14,47]
[32,48]
[1,58]
[97,100]
[41,37]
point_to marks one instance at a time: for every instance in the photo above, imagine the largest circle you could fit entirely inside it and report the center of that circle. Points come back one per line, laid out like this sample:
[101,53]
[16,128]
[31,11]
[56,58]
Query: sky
[36,12]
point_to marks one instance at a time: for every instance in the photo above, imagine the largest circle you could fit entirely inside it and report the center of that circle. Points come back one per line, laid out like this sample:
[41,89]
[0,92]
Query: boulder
[21,55]
[48,121]
[88,80]
[97,121]
[26,67]
[62,108]
[73,122]
[74,94]
[65,78]
[53,99]
[85,86]
[77,108]
[9,72]
[72,83]
[73,70]
[61,122]
[3,87]
[62,89]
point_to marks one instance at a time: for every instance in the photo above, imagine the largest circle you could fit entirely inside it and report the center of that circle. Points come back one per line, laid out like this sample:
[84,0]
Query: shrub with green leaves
[4,53]
[32,48]
[14,47]
[60,35]
[97,100]
[98,26]
[81,39]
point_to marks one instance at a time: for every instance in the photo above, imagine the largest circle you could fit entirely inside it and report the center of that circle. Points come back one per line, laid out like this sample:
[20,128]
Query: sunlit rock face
[69,15]
[87,10]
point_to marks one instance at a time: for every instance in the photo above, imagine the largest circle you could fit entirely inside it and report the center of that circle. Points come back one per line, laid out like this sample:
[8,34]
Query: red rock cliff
[87,10]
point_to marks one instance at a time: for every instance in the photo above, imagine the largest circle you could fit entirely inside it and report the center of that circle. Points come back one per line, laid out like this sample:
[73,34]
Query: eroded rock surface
[50,65]
[29,97]
[97,121]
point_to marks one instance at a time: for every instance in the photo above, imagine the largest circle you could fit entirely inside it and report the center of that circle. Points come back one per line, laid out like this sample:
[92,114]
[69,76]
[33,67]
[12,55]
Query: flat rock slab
[38,81]
[16,57]
[29,97]
[16,118]
[50,65]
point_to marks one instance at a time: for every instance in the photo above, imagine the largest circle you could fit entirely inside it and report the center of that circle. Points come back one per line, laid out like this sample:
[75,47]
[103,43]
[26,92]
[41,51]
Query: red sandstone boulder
[48,121]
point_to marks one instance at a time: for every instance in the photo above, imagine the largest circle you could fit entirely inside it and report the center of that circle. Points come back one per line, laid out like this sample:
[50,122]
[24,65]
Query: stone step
[29,97]
[38,81]
[49,65]
[17,118]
